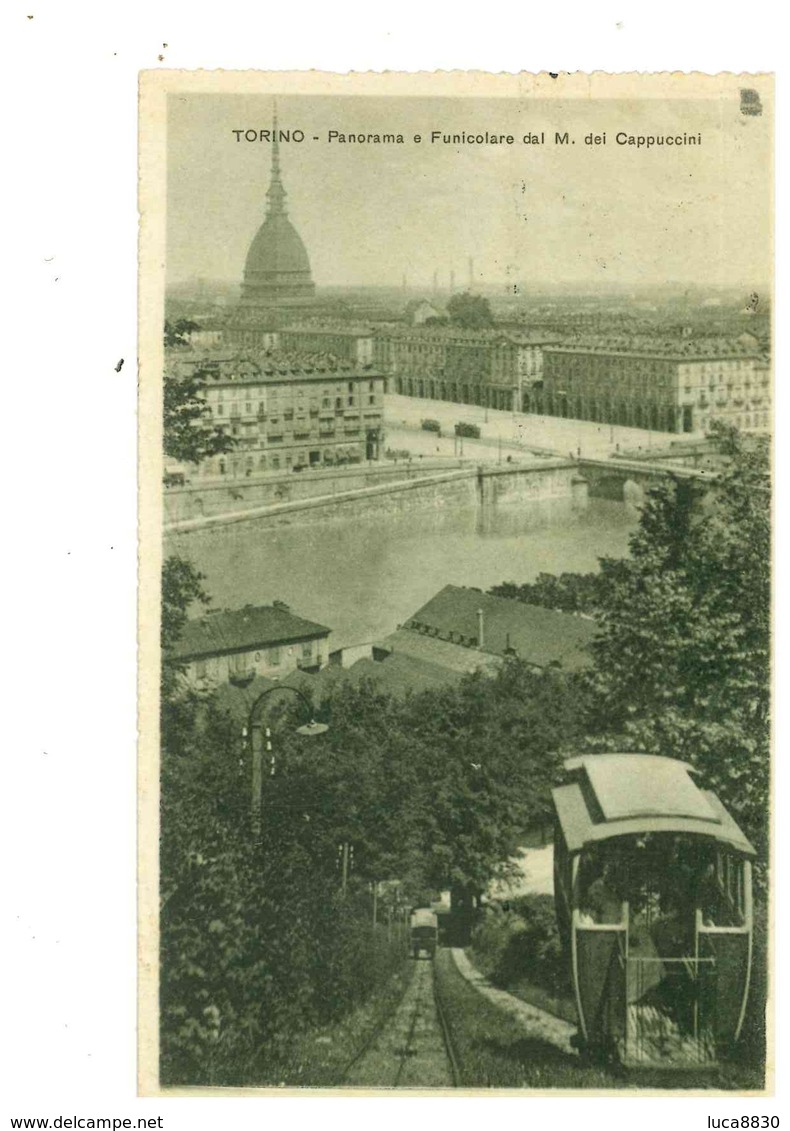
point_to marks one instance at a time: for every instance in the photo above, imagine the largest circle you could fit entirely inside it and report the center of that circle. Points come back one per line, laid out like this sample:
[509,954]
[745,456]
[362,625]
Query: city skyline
[567,215]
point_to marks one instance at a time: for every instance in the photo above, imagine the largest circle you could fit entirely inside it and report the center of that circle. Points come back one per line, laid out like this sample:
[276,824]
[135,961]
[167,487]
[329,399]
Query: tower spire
[276,192]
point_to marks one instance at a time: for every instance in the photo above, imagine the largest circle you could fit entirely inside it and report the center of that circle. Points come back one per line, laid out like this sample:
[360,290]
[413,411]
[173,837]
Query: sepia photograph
[455,583]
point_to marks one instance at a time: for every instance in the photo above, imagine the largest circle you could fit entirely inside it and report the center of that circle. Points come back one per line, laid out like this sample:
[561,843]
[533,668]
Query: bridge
[623,480]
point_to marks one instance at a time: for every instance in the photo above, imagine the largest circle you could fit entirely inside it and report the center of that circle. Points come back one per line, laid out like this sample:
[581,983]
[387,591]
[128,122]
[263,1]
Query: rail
[414,1029]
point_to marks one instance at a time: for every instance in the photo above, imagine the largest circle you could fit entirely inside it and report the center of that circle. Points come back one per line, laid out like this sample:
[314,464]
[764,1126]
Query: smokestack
[435,282]
[452,282]
[471,273]
[480,629]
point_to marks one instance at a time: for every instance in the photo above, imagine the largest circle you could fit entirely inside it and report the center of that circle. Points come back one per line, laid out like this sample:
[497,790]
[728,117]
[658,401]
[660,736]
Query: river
[365,578]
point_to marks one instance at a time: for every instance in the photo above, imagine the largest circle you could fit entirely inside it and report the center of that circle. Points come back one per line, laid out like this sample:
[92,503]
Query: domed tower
[277,268]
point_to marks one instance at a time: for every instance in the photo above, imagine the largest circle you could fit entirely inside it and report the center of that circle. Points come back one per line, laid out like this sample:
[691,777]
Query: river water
[364,578]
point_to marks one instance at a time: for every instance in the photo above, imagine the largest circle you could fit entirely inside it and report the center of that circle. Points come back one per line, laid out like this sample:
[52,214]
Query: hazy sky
[576,214]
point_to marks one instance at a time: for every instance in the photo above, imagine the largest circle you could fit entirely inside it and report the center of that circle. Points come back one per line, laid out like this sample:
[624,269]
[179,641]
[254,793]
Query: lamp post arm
[255,738]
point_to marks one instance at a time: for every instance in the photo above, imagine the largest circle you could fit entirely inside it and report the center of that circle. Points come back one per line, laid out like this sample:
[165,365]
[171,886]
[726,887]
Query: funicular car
[423,932]
[652,882]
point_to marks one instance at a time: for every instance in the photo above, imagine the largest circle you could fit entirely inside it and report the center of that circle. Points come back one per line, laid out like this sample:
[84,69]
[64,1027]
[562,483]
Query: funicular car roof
[424,917]
[628,794]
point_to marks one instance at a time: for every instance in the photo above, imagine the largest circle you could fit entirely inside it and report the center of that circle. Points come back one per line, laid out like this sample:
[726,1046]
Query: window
[307,650]
[274,657]
[200,669]
[222,467]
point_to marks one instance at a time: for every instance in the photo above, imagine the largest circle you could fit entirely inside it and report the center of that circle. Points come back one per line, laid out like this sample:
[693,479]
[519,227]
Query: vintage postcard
[455,574]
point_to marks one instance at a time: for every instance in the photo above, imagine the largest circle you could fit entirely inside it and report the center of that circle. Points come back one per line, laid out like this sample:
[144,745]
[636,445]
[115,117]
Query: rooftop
[438,652]
[539,636]
[328,326]
[680,349]
[234,630]
[234,366]
[484,336]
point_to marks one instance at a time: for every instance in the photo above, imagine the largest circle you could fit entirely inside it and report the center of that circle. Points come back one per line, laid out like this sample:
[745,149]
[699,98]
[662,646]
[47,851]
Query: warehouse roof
[510,627]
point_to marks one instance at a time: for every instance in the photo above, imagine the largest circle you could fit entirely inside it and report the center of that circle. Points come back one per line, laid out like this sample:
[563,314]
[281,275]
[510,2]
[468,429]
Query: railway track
[412,1047]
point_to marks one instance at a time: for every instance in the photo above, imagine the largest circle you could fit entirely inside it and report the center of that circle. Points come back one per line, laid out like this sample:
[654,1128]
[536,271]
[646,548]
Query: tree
[182,587]
[569,593]
[189,437]
[682,664]
[177,333]
[473,312]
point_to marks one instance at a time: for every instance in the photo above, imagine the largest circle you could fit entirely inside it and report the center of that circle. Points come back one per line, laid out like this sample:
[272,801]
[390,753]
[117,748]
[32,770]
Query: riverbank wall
[207,497]
[485,487]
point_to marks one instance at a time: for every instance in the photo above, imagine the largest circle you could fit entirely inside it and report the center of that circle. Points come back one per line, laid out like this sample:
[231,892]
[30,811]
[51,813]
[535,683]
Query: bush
[523,942]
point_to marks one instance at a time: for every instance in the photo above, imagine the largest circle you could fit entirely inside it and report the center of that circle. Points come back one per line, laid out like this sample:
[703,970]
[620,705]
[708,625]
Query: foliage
[182,587]
[189,437]
[259,941]
[177,333]
[568,592]
[473,312]
[523,939]
[682,663]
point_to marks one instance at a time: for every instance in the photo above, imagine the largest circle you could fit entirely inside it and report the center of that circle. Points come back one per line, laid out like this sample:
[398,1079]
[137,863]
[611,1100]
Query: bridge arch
[633,492]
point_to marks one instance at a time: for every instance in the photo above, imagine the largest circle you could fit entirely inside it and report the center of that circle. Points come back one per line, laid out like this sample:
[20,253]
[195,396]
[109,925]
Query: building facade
[487,367]
[347,340]
[237,645]
[672,386]
[287,412]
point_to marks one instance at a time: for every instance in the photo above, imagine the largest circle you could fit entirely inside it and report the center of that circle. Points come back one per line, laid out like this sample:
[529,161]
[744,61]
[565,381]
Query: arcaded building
[488,367]
[678,385]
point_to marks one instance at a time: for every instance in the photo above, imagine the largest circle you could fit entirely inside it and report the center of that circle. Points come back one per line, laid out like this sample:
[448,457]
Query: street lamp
[253,731]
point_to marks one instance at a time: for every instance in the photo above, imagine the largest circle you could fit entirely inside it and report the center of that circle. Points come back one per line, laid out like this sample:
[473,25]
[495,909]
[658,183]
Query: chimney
[480,630]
